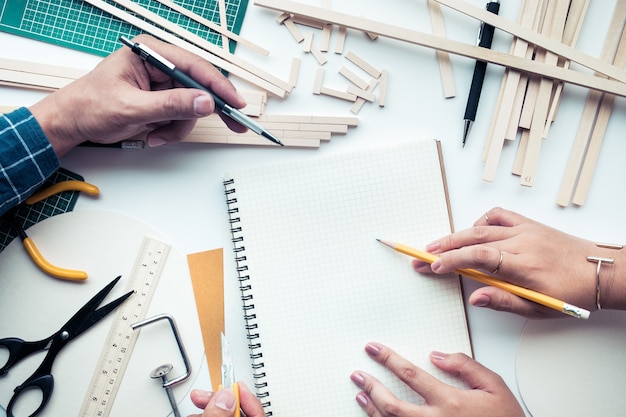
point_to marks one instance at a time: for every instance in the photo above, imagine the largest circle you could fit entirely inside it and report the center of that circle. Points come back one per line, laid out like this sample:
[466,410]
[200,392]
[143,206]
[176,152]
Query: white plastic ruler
[118,347]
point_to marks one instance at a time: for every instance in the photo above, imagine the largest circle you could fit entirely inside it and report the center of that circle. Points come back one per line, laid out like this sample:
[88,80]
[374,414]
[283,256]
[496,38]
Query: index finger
[197,68]
[420,381]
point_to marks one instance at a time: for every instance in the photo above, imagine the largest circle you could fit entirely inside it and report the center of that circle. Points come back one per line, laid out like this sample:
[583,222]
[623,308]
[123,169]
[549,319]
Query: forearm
[26,158]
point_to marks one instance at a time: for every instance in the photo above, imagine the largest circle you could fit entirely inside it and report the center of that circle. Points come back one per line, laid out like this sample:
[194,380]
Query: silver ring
[495,271]
[487,218]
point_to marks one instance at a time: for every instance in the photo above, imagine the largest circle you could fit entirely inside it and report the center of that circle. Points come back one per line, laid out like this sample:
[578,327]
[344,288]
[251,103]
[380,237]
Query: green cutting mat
[29,215]
[78,25]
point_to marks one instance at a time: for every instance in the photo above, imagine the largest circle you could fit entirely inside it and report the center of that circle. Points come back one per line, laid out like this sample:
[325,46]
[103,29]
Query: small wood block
[361,63]
[286,118]
[365,95]
[319,79]
[254,110]
[304,134]
[295,69]
[318,127]
[358,104]
[318,55]
[307,44]
[307,21]
[372,36]
[348,121]
[338,94]
[293,29]
[325,42]
[382,95]
[341,40]
[353,78]
[282,17]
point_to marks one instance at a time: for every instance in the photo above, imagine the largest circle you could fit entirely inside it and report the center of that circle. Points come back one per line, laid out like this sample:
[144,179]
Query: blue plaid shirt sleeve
[26,157]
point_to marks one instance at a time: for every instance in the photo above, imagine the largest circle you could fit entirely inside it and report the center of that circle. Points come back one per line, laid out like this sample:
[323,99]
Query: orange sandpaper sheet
[207,276]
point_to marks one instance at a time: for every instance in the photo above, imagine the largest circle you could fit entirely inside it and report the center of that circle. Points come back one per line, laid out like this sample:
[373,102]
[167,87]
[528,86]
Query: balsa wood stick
[588,117]
[200,42]
[597,136]
[525,85]
[471,51]
[573,26]
[493,148]
[243,73]
[543,99]
[545,17]
[502,109]
[221,6]
[213,26]
[443,58]
[530,36]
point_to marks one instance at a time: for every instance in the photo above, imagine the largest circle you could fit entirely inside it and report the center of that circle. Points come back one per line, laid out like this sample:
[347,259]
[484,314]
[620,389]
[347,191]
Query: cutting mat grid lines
[78,25]
[51,206]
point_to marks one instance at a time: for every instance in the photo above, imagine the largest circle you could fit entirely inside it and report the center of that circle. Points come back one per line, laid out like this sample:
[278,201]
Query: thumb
[500,300]
[473,373]
[172,104]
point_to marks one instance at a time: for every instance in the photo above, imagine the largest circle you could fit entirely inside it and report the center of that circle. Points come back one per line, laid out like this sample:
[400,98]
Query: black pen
[170,69]
[485,37]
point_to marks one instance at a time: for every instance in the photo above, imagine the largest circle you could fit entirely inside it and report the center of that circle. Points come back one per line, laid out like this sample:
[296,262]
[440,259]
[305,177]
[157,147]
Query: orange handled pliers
[29,245]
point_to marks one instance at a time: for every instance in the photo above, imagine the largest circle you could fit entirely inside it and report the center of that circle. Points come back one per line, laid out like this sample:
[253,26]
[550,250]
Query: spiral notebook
[316,285]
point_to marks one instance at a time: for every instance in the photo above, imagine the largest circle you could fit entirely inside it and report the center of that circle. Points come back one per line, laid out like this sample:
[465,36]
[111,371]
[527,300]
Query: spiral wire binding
[251,326]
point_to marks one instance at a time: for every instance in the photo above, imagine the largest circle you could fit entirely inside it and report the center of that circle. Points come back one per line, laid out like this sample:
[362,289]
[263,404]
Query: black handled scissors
[42,378]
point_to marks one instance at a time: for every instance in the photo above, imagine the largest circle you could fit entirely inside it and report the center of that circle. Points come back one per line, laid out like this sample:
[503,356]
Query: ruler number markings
[121,339]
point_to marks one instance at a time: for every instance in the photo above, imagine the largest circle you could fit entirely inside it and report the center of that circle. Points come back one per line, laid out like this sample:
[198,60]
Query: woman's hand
[488,395]
[524,252]
[124,96]
[222,403]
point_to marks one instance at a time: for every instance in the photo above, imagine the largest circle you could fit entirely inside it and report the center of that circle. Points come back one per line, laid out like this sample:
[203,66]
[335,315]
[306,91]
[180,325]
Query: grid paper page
[322,285]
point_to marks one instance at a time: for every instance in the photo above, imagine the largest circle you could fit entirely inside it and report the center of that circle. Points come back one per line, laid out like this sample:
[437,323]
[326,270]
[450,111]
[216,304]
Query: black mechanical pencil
[170,69]
[485,38]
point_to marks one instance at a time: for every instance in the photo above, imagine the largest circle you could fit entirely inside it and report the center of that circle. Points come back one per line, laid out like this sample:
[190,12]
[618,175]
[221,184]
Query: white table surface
[177,189]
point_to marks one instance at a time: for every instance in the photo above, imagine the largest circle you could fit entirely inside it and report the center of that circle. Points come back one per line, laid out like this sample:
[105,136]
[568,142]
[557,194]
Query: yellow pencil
[531,295]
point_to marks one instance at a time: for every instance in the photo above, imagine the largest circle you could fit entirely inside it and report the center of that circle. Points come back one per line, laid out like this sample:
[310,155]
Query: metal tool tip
[271,137]
[126,41]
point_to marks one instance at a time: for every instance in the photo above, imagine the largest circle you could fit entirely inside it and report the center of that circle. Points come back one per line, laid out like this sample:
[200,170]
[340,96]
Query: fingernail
[438,356]
[202,394]
[358,379]
[482,301]
[362,399]
[225,399]
[433,247]
[436,265]
[372,349]
[155,142]
[203,105]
